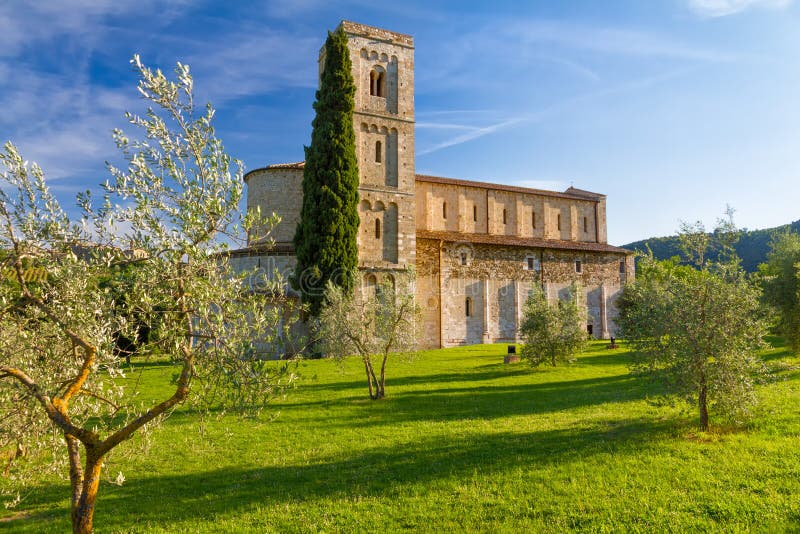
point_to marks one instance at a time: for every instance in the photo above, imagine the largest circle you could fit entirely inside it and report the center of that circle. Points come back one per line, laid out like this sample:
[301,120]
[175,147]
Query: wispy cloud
[573,52]
[289,9]
[24,24]
[609,40]
[258,61]
[52,108]
[472,134]
[571,66]
[458,112]
[444,126]
[723,8]
[61,116]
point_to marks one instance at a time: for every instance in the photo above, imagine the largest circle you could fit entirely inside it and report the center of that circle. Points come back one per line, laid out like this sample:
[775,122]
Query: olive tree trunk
[702,404]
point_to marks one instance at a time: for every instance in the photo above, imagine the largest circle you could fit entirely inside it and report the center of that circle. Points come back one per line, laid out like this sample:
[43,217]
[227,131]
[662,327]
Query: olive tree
[780,279]
[372,324]
[552,332]
[60,380]
[697,329]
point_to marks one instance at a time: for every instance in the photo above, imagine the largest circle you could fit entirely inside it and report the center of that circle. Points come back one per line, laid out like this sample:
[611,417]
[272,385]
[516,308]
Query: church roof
[569,193]
[295,165]
[510,240]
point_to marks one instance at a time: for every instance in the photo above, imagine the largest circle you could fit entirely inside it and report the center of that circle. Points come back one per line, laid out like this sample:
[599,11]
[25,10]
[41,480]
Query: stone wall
[428,293]
[276,190]
[474,293]
[263,265]
[455,207]
[393,53]
[384,126]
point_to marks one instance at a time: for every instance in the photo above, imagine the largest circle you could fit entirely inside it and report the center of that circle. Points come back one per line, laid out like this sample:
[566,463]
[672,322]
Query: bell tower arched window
[378,152]
[377,82]
[377,228]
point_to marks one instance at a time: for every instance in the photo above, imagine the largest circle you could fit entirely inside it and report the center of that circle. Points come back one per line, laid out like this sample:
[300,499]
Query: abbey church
[477,247]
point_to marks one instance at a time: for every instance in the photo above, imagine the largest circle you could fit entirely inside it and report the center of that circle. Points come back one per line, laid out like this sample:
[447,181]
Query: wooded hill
[752,246]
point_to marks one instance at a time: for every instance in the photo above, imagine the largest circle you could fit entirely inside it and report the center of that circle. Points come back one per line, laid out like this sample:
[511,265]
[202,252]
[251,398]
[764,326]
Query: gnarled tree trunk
[85,482]
[83,513]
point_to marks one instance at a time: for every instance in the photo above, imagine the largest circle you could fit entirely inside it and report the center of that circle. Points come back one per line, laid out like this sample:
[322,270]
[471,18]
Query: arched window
[475,213]
[585,224]
[377,82]
[389,282]
[558,221]
[378,152]
[444,210]
[505,216]
[468,307]
[533,219]
[377,228]
[371,285]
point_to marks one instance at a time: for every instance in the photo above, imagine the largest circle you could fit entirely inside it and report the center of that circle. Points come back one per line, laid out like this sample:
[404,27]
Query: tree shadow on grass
[494,372]
[436,403]
[378,473]
[606,358]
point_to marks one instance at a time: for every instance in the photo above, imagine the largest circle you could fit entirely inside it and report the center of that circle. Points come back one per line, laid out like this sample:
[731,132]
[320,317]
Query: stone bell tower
[383,71]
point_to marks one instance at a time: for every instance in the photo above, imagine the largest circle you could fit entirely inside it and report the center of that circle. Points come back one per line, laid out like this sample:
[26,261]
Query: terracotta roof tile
[262,250]
[583,193]
[510,240]
[295,165]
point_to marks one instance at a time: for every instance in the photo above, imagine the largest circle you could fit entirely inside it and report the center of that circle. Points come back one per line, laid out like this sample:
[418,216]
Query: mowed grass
[461,443]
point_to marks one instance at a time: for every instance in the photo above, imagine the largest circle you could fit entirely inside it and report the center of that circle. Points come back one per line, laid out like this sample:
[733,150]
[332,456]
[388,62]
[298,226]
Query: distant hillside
[752,247]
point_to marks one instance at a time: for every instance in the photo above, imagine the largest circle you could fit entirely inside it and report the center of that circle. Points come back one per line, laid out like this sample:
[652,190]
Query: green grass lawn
[461,443]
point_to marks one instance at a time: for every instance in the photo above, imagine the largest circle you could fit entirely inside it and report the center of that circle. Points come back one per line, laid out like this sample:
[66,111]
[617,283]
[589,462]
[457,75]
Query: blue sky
[672,108]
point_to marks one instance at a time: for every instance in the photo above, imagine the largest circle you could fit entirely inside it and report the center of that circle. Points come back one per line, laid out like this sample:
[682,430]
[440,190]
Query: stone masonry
[478,248]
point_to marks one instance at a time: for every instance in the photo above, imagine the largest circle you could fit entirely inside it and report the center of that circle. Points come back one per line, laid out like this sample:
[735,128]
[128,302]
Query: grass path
[461,443]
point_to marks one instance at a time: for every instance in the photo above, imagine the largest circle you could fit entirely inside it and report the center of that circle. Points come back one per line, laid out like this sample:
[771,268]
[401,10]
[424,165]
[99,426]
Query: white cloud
[722,8]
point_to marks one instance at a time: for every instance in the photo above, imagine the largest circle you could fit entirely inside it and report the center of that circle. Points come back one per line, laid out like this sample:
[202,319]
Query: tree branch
[56,415]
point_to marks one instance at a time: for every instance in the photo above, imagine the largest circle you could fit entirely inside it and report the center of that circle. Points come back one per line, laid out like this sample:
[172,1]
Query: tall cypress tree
[325,240]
